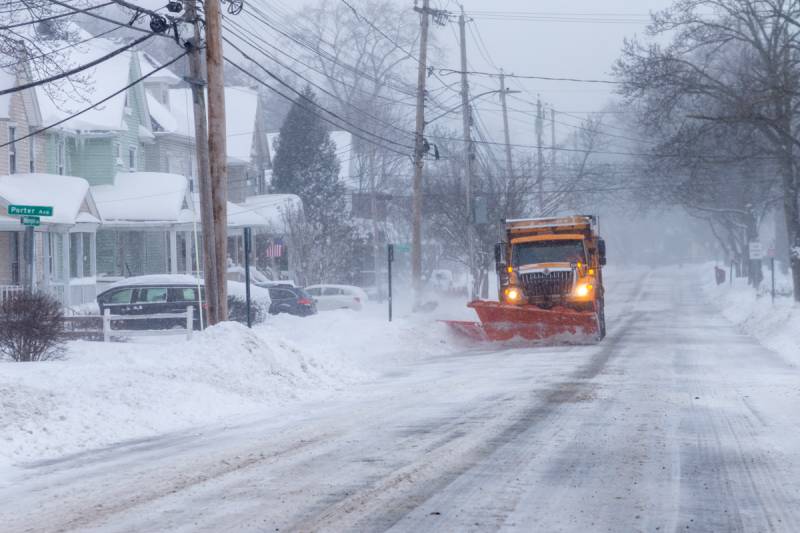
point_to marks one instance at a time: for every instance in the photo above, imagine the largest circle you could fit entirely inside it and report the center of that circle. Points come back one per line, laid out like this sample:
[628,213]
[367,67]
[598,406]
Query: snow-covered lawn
[777,325]
[101,393]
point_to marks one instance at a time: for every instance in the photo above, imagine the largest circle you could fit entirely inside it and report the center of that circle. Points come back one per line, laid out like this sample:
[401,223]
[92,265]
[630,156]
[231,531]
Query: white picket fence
[7,291]
[108,318]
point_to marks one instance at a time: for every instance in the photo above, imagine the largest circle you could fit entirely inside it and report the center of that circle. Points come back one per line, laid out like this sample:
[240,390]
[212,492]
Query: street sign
[30,221]
[756,251]
[402,248]
[30,210]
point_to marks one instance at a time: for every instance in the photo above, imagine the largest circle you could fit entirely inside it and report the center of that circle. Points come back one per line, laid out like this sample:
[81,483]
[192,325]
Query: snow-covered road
[674,422]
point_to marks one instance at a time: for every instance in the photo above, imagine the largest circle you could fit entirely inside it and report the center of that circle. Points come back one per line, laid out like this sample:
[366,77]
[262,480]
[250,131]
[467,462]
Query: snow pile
[102,393]
[777,325]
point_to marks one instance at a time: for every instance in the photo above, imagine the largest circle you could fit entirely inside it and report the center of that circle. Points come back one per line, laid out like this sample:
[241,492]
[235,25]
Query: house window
[32,153]
[12,150]
[132,158]
[60,156]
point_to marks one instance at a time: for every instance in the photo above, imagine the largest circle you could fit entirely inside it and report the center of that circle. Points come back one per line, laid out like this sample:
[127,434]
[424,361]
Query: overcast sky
[576,39]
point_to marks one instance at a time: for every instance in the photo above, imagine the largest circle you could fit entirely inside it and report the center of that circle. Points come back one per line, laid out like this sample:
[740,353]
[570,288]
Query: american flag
[275,248]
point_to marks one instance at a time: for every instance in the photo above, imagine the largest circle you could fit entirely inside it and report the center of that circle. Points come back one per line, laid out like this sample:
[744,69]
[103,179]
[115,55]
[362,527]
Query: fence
[7,291]
[100,327]
[108,319]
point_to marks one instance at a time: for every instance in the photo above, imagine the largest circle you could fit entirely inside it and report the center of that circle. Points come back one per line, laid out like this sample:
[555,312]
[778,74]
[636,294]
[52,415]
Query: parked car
[291,300]
[149,295]
[165,294]
[328,297]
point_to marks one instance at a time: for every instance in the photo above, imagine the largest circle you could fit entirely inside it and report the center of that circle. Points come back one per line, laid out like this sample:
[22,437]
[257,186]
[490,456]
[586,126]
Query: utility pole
[540,153]
[217,149]
[503,92]
[196,80]
[466,119]
[419,150]
[552,138]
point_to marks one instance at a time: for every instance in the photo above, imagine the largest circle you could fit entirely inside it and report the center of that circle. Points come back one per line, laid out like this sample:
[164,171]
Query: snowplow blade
[504,322]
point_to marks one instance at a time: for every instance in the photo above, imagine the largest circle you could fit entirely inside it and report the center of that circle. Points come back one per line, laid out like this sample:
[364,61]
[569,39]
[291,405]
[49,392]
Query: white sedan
[330,297]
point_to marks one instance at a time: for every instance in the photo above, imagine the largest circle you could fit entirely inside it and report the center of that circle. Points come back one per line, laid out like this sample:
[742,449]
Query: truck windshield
[564,251]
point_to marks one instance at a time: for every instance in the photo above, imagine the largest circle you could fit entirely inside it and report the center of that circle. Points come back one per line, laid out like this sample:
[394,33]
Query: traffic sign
[30,210]
[30,221]
[756,251]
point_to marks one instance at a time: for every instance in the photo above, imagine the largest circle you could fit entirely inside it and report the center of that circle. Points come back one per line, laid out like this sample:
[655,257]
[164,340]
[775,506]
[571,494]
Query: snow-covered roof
[165,75]
[69,197]
[105,78]
[344,146]
[241,110]
[142,197]
[239,216]
[273,208]
[161,114]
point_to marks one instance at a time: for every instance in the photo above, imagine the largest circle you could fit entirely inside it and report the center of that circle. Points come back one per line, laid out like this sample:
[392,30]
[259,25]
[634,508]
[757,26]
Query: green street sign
[30,221]
[404,248]
[30,210]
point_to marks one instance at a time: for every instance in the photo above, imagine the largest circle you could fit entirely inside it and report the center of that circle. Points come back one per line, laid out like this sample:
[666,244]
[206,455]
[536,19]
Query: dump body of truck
[550,282]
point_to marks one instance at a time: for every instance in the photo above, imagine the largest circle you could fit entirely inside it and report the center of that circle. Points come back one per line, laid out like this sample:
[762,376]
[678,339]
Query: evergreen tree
[305,162]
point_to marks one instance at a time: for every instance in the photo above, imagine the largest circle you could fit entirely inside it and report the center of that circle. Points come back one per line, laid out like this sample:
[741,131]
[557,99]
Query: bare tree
[734,65]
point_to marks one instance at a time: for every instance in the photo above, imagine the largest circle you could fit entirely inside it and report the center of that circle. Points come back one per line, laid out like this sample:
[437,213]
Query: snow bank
[102,393]
[777,325]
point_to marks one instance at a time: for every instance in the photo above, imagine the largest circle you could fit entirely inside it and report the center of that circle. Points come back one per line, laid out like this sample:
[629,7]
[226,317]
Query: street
[675,422]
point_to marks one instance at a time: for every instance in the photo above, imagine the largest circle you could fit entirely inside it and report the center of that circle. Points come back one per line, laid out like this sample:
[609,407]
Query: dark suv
[150,299]
[292,300]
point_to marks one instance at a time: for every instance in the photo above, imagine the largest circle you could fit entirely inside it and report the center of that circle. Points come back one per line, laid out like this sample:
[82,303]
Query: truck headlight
[582,290]
[513,295]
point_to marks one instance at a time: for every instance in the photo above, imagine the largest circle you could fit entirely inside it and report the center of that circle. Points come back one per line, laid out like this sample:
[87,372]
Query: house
[64,244]
[248,156]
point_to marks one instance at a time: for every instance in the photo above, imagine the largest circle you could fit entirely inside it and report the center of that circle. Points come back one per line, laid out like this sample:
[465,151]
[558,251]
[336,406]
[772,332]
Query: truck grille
[547,284]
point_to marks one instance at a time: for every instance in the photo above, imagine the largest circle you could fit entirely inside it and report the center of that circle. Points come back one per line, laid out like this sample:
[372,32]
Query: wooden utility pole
[503,92]
[552,139]
[419,151]
[540,153]
[466,123]
[197,82]
[217,149]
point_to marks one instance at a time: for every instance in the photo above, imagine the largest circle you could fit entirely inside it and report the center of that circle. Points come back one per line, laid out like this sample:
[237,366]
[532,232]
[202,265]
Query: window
[280,294]
[121,297]
[557,251]
[60,156]
[132,158]
[12,150]
[152,295]
[185,294]
[32,153]
[332,291]
[316,291]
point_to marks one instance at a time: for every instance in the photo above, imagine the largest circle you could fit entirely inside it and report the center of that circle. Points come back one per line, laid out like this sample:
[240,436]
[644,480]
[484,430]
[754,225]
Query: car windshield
[561,251]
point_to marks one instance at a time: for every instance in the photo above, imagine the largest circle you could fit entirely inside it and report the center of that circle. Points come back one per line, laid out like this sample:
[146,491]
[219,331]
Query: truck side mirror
[601,250]
[499,255]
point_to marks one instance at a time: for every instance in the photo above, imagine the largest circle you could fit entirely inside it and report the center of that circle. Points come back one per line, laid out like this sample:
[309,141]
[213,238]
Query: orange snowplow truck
[550,283]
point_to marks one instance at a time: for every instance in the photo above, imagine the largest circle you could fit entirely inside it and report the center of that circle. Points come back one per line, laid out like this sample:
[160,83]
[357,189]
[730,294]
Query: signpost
[29,217]
[756,251]
[247,238]
[30,210]
[390,255]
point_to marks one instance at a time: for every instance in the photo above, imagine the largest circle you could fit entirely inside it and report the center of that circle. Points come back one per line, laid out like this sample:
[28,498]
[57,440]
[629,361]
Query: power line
[448,71]
[95,104]
[28,58]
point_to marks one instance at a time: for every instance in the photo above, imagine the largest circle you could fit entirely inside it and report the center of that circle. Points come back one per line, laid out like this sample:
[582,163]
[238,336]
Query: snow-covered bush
[237,310]
[31,327]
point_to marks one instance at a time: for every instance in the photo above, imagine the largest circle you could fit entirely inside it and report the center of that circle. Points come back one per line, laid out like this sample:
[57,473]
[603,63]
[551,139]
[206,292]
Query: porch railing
[7,291]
